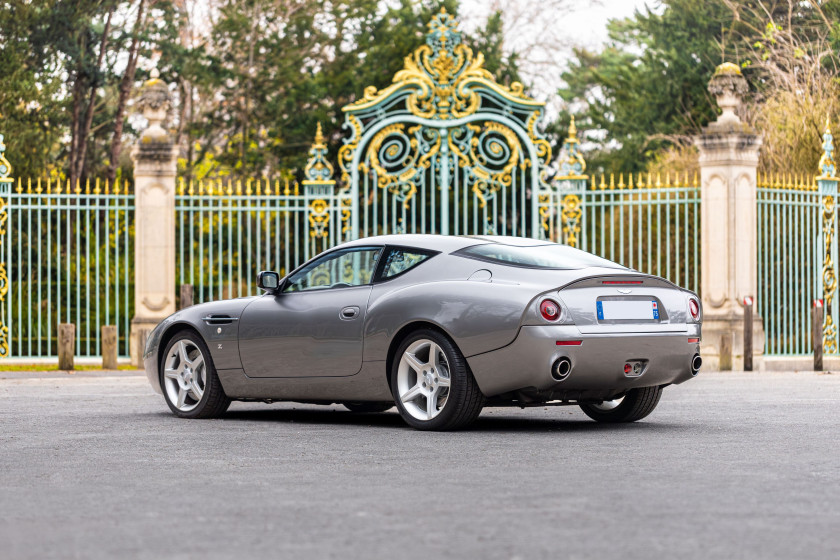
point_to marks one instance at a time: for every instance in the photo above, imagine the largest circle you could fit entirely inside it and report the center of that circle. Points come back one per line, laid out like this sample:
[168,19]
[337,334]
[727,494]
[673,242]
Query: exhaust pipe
[696,362]
[561,369]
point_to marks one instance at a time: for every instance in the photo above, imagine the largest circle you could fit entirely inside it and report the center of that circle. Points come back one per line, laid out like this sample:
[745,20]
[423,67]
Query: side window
[401,260]
[353,267]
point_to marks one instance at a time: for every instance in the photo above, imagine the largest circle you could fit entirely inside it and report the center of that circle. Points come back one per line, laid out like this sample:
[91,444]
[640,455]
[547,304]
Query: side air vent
[219,319]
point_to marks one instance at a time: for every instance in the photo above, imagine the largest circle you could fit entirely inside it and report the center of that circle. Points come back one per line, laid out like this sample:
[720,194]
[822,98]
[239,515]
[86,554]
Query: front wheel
[432,384]
[190,384]
[634,405]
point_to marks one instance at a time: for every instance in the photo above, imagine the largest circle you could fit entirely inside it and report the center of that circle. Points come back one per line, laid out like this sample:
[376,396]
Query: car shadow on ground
[497,421]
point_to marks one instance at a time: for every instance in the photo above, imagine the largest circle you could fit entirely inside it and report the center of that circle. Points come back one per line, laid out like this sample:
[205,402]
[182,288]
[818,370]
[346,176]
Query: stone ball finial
[728,86]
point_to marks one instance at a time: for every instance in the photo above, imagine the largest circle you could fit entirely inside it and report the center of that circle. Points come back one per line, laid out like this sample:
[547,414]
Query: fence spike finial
[827,167]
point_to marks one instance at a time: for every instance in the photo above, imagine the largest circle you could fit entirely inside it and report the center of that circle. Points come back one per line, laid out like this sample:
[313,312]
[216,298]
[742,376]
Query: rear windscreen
[553,256]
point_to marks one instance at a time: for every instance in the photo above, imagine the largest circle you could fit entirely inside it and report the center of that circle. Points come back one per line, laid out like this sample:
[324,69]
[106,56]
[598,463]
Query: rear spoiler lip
[635,275]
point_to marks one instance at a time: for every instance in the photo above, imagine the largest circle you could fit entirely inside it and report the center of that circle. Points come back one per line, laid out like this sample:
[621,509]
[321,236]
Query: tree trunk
[125,90]
[84,131]
[74,126]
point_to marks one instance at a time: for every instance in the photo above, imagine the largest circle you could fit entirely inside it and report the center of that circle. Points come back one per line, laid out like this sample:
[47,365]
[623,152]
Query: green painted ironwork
[444,149]
[788,262]
[5,189]
[71,261]
[827,182]
[227,231]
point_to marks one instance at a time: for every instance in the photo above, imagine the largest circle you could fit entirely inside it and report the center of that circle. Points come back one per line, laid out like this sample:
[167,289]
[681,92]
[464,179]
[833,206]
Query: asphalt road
[728,466]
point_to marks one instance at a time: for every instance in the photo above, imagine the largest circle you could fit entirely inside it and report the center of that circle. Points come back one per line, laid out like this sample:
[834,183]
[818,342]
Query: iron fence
[71,260]
[227,231]
[789,261]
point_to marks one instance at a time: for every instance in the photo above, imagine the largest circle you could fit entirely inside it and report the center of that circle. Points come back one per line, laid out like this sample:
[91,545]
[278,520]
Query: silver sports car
[441,326]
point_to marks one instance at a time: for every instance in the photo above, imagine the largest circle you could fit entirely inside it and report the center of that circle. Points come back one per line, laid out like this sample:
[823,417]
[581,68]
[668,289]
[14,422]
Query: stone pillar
[155,162]
[728,161]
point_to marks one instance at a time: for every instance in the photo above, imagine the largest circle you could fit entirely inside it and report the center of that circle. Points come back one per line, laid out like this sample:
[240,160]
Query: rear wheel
[190,384]
[367,406]
[635,405]
[432,384]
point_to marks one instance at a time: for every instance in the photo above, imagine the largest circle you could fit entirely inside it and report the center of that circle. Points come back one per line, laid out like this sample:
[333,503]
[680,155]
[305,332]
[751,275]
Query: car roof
[443,243]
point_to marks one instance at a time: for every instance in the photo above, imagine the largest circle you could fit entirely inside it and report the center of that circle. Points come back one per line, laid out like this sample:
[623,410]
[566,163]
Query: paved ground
[729,466]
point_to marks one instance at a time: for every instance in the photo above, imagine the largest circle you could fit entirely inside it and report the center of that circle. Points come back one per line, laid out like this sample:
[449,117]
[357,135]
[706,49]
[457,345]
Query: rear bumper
[597,363]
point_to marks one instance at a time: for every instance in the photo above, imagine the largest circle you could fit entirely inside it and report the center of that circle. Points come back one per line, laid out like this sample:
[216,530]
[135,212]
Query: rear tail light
[694,308]
[550,310]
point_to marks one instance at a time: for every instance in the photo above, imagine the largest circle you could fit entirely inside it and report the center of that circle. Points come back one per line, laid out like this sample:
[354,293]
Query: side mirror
[268,281]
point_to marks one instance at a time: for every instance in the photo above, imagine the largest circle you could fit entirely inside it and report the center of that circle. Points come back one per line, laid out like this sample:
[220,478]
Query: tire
[188,378]
[371,407]
[432,384]
[635,405]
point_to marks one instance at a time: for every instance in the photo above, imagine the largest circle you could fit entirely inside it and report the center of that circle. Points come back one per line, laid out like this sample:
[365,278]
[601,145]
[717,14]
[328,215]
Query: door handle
[349,313]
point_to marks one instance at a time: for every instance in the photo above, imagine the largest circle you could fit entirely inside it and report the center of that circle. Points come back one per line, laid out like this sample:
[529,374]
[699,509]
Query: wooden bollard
[186,296]
[109,347]
[748,333]
[726,352]
[66,346]
[817,334]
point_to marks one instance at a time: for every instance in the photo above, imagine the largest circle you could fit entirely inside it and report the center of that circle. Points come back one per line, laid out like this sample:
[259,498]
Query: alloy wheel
[185,375]
[606,406]
[423,379]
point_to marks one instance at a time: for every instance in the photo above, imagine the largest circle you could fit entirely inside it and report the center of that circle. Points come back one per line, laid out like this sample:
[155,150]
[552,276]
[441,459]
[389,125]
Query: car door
[314,326]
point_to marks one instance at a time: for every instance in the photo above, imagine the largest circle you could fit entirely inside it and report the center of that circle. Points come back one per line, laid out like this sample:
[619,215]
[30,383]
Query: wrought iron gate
[445,148]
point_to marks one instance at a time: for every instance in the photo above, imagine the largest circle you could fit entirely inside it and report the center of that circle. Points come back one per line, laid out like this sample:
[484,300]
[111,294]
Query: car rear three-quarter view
[439,326]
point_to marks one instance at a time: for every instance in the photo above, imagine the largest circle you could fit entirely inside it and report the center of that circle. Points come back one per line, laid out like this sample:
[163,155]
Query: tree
[271,83]
[648,84]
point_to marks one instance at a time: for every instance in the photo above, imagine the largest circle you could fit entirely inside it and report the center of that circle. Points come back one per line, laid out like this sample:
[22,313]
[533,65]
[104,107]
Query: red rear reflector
[622,282]
[693,340]
[628,368]
[568,342]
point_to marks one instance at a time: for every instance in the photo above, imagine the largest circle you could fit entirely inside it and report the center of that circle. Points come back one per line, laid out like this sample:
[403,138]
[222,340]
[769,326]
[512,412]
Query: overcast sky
[558,25]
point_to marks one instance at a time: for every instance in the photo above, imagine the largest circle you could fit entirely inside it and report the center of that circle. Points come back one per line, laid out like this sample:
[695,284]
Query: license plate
[622,310]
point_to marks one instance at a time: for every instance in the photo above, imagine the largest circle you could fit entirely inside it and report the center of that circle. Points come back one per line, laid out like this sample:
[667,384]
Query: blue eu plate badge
[655,310]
